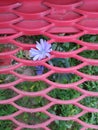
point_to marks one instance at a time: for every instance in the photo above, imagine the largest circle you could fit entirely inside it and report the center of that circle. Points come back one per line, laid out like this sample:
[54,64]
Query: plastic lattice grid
[61,21]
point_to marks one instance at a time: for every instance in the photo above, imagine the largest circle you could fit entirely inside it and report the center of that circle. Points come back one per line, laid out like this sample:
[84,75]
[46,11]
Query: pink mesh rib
[48,18]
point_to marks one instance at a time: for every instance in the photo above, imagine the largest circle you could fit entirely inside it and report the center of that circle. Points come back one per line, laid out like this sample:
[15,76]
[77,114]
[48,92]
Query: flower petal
[33,52]
[49,50]
[41,56]
[47,54]
[42,44]
[36,57]
[48,46]
[38,46]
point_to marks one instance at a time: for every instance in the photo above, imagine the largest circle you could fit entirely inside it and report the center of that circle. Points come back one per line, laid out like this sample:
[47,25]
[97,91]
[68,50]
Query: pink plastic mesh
[49,18]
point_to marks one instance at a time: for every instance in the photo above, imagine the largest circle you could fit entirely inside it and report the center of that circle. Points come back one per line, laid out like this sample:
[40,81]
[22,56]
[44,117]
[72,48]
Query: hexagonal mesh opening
[64,78]
[64,110]
[29,86]
[32,118]
[26,39]
[64,94]
[32,102]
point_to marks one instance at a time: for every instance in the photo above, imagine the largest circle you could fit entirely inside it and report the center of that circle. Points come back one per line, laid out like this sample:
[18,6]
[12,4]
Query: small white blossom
[43,49]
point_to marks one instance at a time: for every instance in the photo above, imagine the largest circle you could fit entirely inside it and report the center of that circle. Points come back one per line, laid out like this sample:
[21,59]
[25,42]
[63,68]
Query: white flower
[42,50]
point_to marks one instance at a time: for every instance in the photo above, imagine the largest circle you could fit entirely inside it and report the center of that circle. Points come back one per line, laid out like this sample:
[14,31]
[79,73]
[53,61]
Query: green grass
[65,47]
[92,54]
[32,118]
[7,78]
[93,70]
[6,94]
[89,38]
[32,86]
[90,86]
[7,125]
[64,94]
[32,102]
[64,125]
[7,110]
